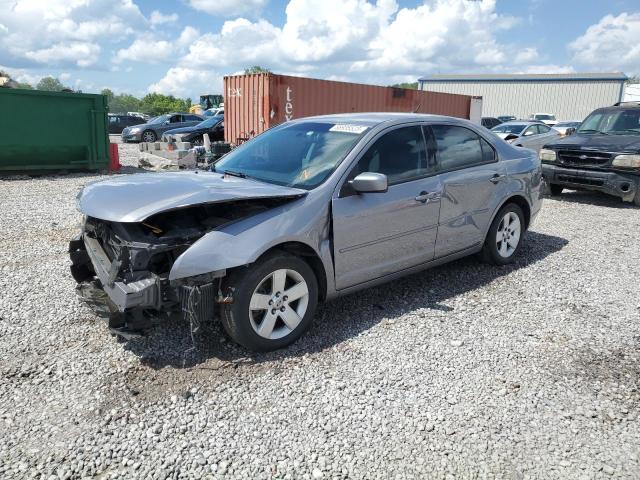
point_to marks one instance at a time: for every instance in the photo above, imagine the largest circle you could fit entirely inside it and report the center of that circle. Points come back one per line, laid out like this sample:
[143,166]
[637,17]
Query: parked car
[526,134]
[154,128]
[311,209]
[214,126]
[214,112]
[489,122]
[506,118]
[603,154]
[118,122]
[566,128]
[546,118]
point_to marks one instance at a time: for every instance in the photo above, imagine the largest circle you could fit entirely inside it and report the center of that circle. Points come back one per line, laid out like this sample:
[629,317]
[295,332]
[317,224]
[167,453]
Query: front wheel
[148,136]
[505,236]
[274,301]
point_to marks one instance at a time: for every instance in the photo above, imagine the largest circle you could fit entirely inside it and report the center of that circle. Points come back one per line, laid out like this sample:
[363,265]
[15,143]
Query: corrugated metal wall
[254,103]
[568,100]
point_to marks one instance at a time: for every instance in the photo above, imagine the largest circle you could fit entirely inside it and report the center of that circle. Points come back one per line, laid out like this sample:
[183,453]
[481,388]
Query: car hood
[610,143]
[133,198]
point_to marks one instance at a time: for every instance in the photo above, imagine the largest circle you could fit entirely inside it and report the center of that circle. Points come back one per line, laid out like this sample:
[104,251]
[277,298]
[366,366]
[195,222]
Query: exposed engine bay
[131,261]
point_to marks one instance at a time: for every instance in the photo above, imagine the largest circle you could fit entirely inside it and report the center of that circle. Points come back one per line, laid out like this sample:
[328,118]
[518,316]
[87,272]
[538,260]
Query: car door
[473,182]
[190,120]
[376,234]
[546,134]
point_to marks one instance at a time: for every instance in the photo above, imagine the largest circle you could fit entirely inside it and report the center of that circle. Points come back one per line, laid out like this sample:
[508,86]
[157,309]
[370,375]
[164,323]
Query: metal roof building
[569,96]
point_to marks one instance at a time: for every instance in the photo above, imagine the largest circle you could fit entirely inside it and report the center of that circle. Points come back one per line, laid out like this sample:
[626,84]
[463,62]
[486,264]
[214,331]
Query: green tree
[50,84]
[124,103]
[256,69]
[24,85]
[109,94]
[157,104]
[410,85]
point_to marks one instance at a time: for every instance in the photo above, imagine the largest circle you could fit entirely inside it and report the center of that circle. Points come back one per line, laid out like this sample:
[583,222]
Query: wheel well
[308,255]
[523,204]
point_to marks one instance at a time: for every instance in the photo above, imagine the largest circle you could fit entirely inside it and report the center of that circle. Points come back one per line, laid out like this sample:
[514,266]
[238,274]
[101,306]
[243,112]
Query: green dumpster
[52,131]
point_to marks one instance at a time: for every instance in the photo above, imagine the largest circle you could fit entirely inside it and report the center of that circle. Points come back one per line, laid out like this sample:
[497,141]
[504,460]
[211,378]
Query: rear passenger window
[459,147]
[400,154]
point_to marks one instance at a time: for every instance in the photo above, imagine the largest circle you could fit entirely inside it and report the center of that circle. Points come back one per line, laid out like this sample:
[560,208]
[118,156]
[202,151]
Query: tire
[500,248]
[555,189]
[283,320]
[148,136]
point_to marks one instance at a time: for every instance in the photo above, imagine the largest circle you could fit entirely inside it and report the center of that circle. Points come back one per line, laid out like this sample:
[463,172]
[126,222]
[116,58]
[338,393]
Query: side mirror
[166,122]
[511,136]
[570,131]
[526,134]
[369,182]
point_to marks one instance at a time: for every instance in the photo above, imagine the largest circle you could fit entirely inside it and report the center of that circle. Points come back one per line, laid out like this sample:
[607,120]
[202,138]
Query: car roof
[371,119]
[520,122]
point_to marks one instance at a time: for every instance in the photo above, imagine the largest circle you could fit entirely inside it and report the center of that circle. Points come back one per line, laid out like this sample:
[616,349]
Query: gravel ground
[464,371]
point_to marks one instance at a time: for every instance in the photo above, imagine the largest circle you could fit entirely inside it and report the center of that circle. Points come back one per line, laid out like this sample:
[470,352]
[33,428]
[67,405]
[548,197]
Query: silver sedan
[531,135]
[309,210]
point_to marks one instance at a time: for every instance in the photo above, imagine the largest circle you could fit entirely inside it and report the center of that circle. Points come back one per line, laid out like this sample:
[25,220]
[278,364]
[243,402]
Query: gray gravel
[464,371]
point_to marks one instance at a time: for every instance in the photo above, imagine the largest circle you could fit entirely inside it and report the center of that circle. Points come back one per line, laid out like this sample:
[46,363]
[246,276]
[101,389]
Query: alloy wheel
[148,137]
[278,304]
[508,234]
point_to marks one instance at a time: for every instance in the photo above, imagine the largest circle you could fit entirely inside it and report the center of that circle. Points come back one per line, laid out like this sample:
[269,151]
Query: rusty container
[256,102]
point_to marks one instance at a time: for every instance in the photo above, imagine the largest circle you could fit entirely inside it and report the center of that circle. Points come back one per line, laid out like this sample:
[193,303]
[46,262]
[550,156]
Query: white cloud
[81,54]
[360,40]
[228,8]
[145,49]
[188,35]
[158,18]
[611,44]
[185,82]
[40,31]
[3,30]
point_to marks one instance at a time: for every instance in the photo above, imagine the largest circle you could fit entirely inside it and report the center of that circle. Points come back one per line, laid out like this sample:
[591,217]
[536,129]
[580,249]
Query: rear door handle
[425,197]
[496,178]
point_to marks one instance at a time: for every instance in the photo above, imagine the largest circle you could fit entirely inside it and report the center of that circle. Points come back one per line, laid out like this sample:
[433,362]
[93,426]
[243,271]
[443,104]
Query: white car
[563,127]
[546,118]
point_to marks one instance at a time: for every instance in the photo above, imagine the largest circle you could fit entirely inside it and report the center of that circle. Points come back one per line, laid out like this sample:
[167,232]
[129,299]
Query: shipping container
[52,131]
[253,103]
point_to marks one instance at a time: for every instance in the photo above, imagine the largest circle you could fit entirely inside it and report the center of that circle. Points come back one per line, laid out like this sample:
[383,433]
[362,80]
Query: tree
[109,94]
[24,85]
[157,104]
[50,84]
[124,103]
[256,69]
[412,85]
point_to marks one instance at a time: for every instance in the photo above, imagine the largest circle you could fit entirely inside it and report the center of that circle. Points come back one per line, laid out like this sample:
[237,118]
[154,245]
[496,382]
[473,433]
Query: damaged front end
[122,268]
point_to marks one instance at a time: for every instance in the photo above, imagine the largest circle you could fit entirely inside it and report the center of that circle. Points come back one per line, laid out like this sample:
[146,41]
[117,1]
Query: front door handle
[425,197]
[496,178]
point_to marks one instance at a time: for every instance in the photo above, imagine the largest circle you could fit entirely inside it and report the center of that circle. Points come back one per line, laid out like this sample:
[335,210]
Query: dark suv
[603,154]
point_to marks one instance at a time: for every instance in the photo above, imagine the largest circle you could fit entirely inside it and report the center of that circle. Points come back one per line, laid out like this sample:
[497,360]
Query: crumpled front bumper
[87,254]
[610,182]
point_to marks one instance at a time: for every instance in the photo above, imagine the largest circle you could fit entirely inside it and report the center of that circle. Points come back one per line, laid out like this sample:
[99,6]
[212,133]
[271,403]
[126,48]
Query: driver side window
[400,154]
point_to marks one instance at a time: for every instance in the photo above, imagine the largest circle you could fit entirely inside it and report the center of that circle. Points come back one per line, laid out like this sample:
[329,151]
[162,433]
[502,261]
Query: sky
[185,47]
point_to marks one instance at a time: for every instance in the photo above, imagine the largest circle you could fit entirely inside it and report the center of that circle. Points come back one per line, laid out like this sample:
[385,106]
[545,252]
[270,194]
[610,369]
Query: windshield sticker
[344,128]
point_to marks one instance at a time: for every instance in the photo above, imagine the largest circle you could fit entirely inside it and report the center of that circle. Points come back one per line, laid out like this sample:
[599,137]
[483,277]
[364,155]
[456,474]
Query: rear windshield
[515,128]
[544,117]
[301,155]
[612,122]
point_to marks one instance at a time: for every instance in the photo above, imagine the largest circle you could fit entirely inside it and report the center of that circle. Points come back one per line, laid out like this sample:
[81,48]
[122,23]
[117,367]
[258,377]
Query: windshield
[567,124]
[299,155]
[156,120]
[209,122]
[615,122]
[544,116]
[515,128]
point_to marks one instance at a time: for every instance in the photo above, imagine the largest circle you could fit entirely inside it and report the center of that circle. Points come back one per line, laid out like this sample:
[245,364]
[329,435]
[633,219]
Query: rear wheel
[505,235]
[148,136]
[273,302]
